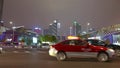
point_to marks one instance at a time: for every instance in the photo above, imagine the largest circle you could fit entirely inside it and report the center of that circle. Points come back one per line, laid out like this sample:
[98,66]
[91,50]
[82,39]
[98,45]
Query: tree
[47,38]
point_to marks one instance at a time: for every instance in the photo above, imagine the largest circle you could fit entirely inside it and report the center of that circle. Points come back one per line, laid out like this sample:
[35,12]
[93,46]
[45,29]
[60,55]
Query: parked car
[1,50]
[45,45]
[102,43]
[79,48]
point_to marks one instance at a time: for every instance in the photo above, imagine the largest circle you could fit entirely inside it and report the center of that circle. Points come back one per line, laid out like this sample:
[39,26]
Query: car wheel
[103,57]
[61,56]
[117,52]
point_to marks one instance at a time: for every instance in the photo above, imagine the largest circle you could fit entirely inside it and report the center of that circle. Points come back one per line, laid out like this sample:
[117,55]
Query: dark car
[97,42]
[80,48]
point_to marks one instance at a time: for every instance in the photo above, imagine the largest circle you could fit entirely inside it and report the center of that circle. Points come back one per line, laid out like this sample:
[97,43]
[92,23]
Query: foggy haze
[31,13]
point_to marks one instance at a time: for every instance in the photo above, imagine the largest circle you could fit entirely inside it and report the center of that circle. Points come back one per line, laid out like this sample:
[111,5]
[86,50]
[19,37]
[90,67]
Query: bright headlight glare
[111,50]
[0,48]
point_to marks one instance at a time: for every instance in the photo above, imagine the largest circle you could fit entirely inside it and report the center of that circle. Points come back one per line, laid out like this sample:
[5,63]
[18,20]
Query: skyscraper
[76,28]
[54,28]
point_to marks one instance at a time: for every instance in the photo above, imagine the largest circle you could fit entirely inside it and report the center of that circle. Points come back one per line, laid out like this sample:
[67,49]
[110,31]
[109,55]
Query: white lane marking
[41,52]
[3,51]
[15,52]
[27,51]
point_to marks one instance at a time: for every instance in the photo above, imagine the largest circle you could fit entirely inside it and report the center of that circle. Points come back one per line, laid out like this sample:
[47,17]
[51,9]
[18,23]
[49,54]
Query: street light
[88,24]
[55,21]
[1,21]
[13,27]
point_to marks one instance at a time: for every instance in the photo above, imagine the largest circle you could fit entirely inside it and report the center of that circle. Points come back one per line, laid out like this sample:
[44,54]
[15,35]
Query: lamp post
[13,27]
[88,24]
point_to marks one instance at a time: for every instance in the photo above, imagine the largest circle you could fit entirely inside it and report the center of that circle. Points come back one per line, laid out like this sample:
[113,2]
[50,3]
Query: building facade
[76,28]
[53,29]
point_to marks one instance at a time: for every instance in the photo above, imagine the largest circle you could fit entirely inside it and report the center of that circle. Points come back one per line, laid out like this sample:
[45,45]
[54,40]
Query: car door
[84,49]
[76,48]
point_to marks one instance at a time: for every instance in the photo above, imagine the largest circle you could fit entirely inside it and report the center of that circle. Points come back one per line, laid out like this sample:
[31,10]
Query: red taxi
[79,48]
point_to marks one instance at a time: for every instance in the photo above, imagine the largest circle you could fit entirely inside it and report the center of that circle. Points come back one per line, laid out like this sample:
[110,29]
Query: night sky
[31,13]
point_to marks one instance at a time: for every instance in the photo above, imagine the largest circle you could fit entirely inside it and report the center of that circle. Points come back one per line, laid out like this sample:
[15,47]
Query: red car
[80,48]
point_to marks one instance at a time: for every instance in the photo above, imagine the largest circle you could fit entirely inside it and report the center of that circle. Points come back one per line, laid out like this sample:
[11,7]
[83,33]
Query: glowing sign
[34,40]
[73,37]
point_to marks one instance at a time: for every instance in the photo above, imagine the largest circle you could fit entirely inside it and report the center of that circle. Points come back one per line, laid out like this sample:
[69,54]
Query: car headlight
[111,50]
[52,51]
[0,49]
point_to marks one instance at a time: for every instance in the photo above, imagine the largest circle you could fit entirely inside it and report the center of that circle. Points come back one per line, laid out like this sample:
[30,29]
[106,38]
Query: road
[37,58]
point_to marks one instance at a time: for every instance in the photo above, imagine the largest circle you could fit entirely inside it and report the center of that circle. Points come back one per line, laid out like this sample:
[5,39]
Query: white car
[0,49]
[45,46]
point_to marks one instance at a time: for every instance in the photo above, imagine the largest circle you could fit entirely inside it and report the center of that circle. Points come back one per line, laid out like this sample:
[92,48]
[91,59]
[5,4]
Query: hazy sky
[31,13]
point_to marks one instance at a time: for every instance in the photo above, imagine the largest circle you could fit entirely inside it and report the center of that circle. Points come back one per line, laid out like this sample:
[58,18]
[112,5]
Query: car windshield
[96,42]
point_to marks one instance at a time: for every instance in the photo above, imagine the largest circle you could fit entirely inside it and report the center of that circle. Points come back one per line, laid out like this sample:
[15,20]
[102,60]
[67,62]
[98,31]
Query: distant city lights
[55,21]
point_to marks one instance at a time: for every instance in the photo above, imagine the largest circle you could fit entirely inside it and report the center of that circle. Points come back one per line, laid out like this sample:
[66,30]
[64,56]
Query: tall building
[76,28]
[1,9]
[54,28]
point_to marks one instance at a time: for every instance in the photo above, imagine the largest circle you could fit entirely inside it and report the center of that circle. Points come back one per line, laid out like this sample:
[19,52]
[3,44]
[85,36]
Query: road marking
[27,51]
[15,52]
[3,51]
[41,52]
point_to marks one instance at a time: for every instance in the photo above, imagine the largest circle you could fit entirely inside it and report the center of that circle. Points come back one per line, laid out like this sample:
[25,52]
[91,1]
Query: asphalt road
[37,58]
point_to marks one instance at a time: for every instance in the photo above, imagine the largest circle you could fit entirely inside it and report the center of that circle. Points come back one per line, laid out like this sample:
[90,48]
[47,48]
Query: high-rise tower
[76,28]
